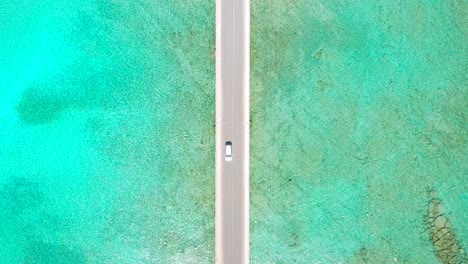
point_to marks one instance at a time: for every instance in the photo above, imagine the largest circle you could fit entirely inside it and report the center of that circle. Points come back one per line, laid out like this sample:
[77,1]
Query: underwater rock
[447,247]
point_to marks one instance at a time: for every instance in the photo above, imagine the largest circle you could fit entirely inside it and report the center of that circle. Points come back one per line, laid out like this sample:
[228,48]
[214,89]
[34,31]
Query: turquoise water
[358,136]
[359,129]
[106,131]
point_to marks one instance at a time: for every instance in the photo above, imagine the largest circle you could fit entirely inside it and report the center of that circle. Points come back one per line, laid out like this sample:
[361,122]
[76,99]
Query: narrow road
[232,131]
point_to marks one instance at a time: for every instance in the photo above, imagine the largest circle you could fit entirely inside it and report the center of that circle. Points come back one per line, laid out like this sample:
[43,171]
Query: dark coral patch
[40,252]
[20,195]
[37,107]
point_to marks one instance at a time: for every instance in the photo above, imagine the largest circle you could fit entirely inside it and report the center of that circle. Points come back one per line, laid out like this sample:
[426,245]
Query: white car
[228,151]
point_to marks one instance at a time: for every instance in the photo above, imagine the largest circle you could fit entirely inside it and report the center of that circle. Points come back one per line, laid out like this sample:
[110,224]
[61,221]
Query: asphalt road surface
[232,125]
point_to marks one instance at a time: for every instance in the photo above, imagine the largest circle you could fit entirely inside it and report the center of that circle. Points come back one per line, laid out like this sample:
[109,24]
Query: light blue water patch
[359,130]
[106,137]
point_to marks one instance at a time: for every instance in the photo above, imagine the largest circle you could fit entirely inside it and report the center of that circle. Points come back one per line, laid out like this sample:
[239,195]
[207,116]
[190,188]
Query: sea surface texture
[359,129]
[106,131]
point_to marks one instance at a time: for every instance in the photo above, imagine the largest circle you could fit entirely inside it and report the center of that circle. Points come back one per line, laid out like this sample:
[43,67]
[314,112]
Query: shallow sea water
[359,129]
[358,136]
[106,131]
